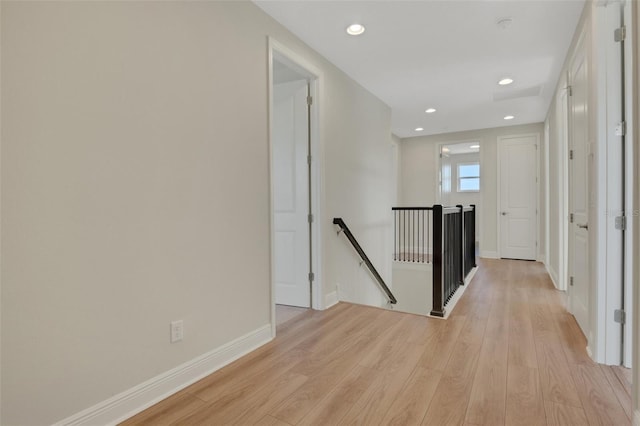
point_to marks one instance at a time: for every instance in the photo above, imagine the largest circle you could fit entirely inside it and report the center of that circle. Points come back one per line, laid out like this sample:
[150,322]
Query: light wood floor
[508,354]
[286,313]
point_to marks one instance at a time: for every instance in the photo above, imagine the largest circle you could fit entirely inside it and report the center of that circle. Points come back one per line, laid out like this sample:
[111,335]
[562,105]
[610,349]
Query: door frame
[631,109]
[562,106]
[279,51]
[609,242]
[498,191]
[438,190]
[583,48]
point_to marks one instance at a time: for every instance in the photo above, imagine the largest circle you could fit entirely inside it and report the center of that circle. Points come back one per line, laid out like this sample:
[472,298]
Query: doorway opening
[460,179]
[294,185]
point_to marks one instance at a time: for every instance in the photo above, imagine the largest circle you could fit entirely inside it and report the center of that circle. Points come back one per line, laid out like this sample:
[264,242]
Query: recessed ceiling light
[509,117]
[419,129]
[430,110]
[355,29]
[474,146]
[505,81]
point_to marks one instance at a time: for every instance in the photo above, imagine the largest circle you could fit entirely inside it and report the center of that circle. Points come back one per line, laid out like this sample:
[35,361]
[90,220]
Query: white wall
[135,189]
[419,163]
[635,36]
[359,188]
[597,23]
[1,274]
[395,169]
[557,199]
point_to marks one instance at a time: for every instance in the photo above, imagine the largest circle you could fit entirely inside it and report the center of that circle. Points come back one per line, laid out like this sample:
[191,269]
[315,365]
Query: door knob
[504,213]
[583,225]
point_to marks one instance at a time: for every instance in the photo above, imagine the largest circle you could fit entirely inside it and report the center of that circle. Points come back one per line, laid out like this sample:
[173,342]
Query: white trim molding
[489,254]
[457,295]
[331,299]
[589,351]
[552,274]
[132,401]
[315,78]
[636,418]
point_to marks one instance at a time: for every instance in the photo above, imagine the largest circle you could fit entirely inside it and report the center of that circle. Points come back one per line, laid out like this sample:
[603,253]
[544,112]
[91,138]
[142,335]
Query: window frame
[459,178]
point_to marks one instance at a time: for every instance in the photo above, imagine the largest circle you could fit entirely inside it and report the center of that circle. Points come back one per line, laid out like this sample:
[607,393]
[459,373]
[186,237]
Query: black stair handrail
[338,221]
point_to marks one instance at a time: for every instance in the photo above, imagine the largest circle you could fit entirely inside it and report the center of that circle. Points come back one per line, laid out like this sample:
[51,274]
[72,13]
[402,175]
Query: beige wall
[358,186]
[135,190]
[419,165]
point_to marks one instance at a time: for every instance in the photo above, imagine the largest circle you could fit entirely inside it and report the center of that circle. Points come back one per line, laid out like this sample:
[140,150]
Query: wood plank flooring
[509,354]
[286,313]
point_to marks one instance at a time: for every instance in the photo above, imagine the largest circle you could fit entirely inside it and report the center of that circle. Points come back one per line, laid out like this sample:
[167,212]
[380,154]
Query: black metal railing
[411,234]
[454,252]
[469,227]
[344,228]
[441,236]
[447,255]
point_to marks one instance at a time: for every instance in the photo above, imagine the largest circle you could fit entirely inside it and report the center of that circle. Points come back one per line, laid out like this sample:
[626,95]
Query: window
[469,177]
[446,178]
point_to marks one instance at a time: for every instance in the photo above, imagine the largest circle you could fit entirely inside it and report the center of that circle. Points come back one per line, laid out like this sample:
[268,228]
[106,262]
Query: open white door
[578,291]
[518,196]
[291,193]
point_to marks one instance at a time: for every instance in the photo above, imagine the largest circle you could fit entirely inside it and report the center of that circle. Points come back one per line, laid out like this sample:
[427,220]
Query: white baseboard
[331,299]
[636,418]
[489,254]
[470,275]
[457,295]
[552,275]
[590,353]
[130,402]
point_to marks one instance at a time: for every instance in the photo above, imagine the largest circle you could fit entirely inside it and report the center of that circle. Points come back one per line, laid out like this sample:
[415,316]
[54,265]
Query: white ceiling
[447,55]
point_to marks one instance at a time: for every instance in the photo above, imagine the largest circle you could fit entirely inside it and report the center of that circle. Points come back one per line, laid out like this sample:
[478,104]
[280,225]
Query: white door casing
[290,194]
[578,290]
[563,137]
[518,196]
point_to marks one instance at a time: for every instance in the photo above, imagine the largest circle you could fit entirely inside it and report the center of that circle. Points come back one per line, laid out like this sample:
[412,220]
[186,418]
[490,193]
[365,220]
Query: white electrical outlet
[177,331]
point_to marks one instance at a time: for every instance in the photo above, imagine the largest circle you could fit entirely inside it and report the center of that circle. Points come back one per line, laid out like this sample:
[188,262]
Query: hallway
[508,354]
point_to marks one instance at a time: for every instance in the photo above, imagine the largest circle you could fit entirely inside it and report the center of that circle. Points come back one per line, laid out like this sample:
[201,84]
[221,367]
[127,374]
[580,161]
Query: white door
[291,194]
[578,291]
[518,222]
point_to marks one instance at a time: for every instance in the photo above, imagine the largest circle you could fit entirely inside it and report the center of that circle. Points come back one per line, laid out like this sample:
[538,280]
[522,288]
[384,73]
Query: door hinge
[571,218]
[620,316]
[571,281]
[621,222]
[621,128]
[309,100]
[570,154]
[308,159]
[570,90]
[310,218]
[312,276]
[619,34]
